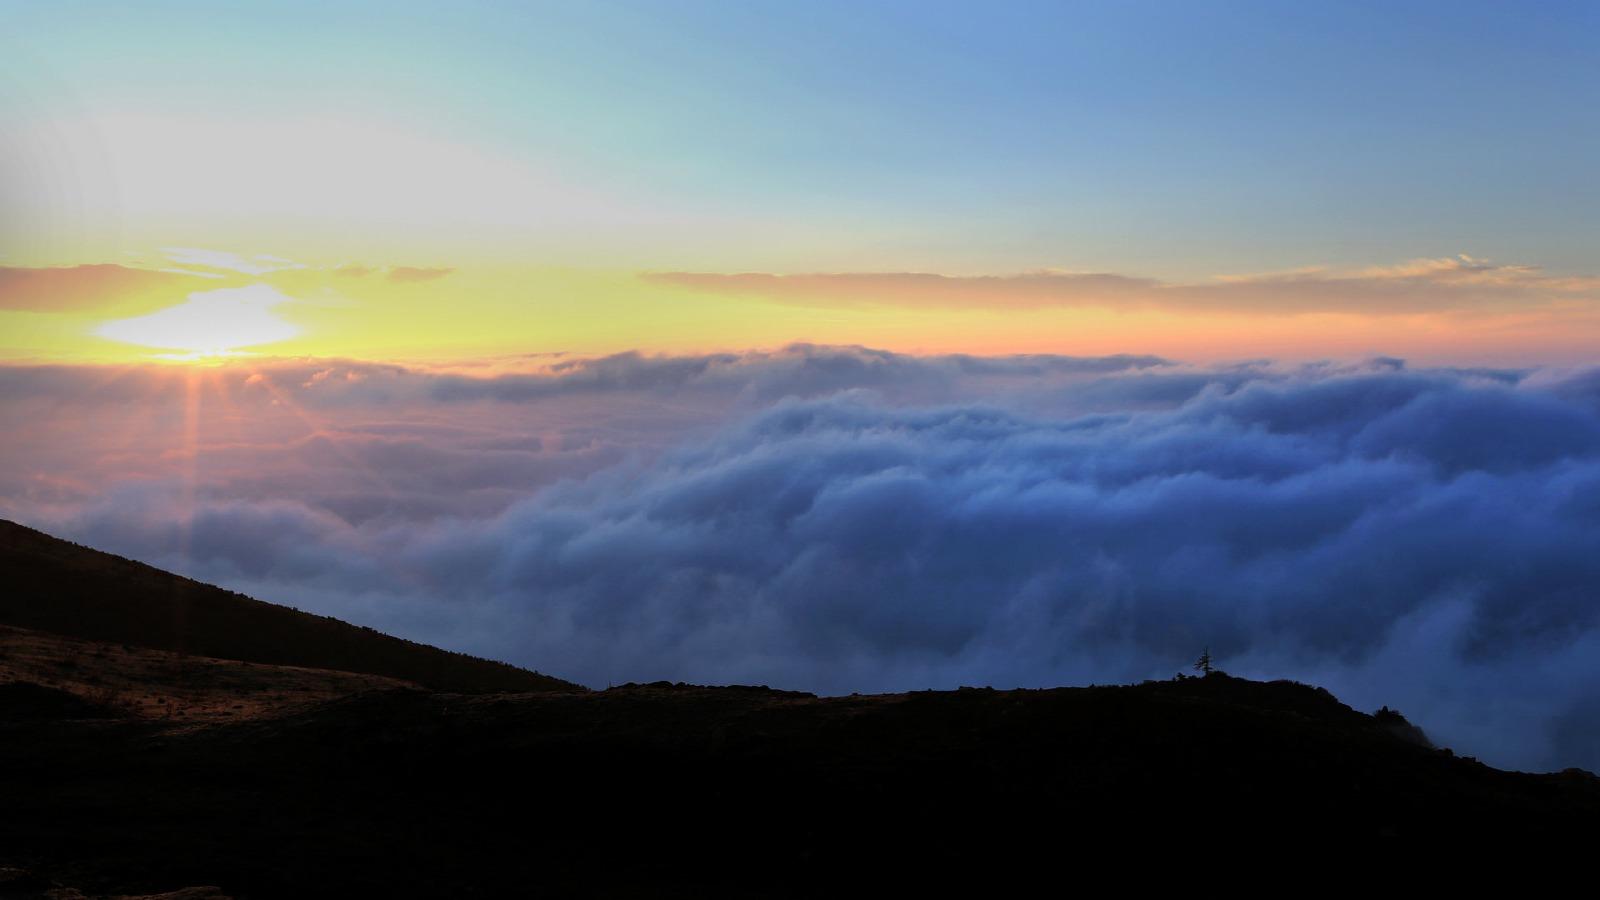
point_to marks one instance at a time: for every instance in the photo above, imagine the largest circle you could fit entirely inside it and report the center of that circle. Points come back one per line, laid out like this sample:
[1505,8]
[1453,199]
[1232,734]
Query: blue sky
[1177,140]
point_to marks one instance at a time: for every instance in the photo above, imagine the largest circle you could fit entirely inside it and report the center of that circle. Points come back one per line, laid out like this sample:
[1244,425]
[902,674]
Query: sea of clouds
[841,519]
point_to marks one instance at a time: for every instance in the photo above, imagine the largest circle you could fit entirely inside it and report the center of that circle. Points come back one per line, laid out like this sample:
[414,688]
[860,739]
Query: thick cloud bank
[843,520]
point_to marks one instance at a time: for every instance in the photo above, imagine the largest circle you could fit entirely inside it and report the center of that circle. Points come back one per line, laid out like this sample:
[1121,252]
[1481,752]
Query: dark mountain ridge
[371,787]
[63,588]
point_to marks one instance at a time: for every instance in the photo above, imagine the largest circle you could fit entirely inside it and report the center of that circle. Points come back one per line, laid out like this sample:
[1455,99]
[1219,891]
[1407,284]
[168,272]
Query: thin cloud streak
[417,274]
[80,288]
[1448,285]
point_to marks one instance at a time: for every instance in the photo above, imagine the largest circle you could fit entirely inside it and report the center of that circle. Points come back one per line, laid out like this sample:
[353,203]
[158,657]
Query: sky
[557,158]
[836,346]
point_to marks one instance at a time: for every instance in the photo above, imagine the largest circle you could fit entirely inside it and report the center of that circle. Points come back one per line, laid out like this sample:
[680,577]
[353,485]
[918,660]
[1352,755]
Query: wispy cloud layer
[414,274]
[78,288]
[1437,310]
[842,519]
[258,264]
[1451,284]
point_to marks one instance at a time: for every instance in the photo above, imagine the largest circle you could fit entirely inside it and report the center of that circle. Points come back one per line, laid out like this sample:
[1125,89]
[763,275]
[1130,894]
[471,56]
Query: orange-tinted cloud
[225,261]
[416,274]
[76,288]
[1453,284]
[1035,289]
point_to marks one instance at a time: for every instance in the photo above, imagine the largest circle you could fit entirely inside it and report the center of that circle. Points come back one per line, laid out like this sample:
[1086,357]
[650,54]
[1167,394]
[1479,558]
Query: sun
[210,323]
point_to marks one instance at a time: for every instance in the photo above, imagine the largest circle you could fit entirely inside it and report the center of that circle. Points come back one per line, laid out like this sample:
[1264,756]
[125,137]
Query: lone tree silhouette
[1203,664]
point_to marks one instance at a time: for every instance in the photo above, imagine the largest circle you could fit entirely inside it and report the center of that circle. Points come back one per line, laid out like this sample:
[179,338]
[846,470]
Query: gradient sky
[551,154]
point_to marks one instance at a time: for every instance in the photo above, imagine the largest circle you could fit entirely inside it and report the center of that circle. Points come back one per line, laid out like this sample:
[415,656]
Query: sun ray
[316,428]
[230,418]
[189,457]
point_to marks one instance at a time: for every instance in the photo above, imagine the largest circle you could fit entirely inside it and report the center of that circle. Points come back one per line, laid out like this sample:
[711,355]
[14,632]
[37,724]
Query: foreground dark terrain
[59,587]
[357,765]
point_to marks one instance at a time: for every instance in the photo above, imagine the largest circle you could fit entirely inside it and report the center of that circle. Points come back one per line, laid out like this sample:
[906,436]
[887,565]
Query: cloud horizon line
[1458,284]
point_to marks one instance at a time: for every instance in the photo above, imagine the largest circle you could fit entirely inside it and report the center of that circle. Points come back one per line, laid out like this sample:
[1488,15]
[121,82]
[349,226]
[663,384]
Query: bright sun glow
[209,323]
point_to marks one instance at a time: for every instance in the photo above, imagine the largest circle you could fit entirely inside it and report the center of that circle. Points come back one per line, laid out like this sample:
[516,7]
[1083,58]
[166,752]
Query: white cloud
[844,519]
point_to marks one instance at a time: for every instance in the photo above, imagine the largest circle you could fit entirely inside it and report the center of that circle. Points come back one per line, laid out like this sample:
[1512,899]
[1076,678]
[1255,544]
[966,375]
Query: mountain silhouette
[359,765]
[66,589]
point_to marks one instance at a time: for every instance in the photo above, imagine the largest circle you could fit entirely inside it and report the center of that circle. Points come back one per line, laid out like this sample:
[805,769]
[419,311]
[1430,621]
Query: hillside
[138,682]
[132,770]
[692,791]
[62,588]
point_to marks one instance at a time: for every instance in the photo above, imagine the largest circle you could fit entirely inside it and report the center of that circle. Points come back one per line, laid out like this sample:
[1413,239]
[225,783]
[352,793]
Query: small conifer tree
[1203,664]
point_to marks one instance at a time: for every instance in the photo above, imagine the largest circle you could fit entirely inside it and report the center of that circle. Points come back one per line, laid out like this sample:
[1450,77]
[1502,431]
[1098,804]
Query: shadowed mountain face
[670,789]
[59,587]
[354,784]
